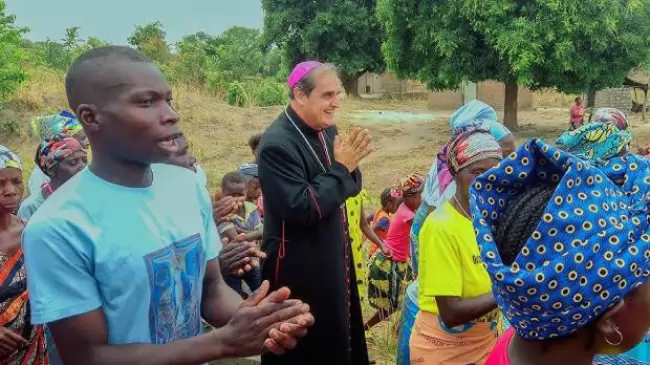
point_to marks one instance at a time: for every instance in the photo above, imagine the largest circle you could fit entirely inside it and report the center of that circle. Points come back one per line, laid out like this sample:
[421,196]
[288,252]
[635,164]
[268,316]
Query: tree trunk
[510,106]
[644,111]
[591,98]
[350,84]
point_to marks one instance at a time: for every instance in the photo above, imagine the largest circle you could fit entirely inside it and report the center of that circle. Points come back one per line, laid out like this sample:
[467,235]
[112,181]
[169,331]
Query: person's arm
[441,277]
[255,235]
[455,311]
[219,302]
[370,233]
[293,195]
[228,230]
[381,225]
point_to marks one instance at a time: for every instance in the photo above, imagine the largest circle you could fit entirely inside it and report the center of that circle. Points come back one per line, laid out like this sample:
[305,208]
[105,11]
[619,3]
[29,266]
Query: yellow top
[450,262]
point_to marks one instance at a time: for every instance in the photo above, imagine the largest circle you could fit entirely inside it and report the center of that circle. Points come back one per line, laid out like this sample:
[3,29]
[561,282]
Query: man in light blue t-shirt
[122,259]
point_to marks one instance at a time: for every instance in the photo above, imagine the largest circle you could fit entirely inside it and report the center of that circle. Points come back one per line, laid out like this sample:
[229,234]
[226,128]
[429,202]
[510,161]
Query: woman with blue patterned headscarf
[567,247]
[44,127]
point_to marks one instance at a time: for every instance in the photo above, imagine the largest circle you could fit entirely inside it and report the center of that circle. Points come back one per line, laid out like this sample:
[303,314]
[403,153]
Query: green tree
[71,40]
[51,54]
[344,32]
[568,44]
[12,54]
[150,40]
[190,62]
[238,53]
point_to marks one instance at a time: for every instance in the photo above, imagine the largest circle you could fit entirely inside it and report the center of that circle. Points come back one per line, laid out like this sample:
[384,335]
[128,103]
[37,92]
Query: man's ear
[299,95]
[87,116]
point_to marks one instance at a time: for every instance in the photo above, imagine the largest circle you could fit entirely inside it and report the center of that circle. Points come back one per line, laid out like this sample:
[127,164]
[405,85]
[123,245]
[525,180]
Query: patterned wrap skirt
[387,282]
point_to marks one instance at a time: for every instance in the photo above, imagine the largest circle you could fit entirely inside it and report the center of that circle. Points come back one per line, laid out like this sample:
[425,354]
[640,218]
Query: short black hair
[232,178]
[519,220]
[254,141]
[91,65]
[386,197]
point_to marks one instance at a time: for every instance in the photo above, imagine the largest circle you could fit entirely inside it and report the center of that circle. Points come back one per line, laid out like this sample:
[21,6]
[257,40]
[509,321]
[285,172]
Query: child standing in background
[245,225]
[577,114]
[253,187]
[380,220]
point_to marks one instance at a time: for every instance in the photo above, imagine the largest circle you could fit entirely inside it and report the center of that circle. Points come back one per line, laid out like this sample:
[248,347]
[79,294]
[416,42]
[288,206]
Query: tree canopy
[12,54]
[572,45]
[344,32]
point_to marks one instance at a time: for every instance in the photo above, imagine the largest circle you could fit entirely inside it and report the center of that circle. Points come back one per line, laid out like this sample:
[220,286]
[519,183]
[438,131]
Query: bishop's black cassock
[306,239]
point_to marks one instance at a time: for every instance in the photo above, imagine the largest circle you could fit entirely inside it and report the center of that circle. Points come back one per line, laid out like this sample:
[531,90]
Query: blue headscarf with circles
[590,248]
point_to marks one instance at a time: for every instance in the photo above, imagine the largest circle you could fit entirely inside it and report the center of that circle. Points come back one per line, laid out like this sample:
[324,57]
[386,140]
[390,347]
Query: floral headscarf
[9,159]
[596,142]
[411,184]
[590,248]
[473,115]
[55,149]
[470,147]
[611,115]
[46,126]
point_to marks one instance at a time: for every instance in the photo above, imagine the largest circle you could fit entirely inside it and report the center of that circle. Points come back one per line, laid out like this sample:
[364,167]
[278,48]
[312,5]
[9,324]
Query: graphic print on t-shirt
[174,274]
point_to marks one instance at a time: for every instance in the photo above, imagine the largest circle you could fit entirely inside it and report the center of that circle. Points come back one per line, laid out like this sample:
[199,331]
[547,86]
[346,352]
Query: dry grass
[552,99]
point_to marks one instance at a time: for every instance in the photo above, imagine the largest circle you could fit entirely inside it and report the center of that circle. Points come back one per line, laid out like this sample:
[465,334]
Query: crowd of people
[500,255]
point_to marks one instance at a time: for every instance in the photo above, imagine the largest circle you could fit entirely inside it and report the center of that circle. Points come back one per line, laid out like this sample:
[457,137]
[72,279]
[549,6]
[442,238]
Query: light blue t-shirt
[36,179]
[200,173]
[30,205]
[138,253]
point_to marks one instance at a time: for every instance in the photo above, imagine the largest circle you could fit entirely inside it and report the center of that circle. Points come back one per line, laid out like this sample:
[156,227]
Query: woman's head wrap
[473,115]
[46,126]
[590,248]
[55,149]
[611,115]
[477,115]
[470,147]
[411,184]
[595,142]
[8,159]
[249,170]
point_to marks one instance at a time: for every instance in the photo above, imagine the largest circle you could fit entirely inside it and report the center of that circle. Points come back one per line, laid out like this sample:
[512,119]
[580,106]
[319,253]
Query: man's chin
[161,156]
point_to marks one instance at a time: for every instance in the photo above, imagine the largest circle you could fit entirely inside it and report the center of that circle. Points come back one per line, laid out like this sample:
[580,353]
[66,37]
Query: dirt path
[407,141]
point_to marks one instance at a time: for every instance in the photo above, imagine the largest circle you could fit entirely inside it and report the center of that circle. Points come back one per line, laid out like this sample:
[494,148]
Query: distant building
[387,83]
[491,92]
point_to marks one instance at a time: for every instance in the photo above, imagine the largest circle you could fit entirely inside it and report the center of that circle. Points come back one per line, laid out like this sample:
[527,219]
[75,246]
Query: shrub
[270,93]
[236,95]
[215,82]
[9,126]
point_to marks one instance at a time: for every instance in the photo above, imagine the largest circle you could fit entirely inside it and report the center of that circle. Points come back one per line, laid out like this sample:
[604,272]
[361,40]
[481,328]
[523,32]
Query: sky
[115,20]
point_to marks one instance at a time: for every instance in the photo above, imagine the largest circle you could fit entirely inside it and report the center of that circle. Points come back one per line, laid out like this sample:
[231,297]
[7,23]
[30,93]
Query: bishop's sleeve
[288,191]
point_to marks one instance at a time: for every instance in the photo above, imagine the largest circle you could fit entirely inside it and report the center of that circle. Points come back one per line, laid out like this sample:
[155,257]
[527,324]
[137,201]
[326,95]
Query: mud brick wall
[620,98]
[494,93]
[444,100]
